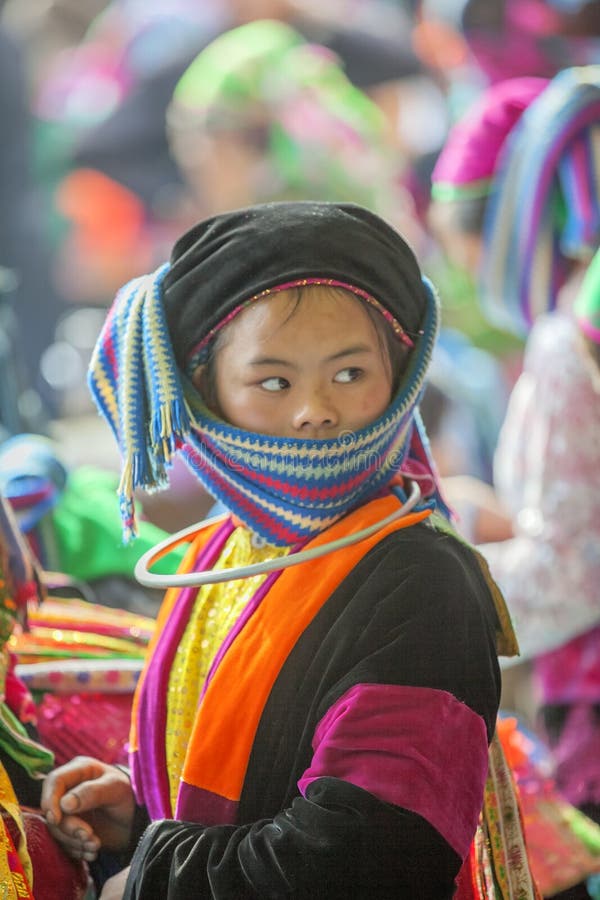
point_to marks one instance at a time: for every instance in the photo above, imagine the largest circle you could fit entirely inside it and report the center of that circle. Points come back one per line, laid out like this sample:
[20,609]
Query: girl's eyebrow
[275,361]
[271,361]
[350,351]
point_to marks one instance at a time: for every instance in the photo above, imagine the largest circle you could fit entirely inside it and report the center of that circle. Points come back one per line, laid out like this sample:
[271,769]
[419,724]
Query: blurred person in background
[263,115]
[119,166]
[48,27]
[499,39]
[79,64]
[111,235]
[516,198]
[468,45]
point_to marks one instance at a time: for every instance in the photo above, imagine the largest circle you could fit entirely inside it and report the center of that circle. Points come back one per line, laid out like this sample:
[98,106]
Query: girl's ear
[203,382]
[197,377]
[199,380]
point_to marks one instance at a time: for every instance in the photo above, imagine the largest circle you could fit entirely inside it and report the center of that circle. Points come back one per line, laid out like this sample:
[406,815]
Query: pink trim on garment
[195,804]
[415,747]
[196,352]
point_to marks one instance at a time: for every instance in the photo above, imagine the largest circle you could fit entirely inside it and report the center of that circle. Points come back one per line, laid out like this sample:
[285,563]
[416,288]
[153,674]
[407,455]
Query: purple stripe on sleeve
[196,804]
[418,748]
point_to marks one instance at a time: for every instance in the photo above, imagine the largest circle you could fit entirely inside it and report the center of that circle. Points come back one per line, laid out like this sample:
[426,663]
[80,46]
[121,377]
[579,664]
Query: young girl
[314,719]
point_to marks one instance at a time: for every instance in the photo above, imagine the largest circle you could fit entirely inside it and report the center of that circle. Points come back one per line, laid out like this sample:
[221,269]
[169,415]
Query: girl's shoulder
[434,539]
[430,553]
[429,567]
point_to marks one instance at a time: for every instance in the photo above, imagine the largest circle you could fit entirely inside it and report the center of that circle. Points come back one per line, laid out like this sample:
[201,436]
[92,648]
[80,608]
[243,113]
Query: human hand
[88,804]
[114,888]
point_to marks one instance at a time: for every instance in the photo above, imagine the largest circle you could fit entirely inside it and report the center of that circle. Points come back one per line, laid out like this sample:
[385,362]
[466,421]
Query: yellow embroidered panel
[215,612]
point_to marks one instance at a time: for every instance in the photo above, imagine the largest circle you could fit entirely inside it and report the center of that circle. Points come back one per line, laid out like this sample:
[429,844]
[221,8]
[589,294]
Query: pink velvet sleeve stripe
[418,748]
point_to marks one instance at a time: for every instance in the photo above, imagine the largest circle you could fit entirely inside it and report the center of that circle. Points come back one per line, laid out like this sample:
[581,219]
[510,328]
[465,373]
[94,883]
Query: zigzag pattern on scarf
[284,489]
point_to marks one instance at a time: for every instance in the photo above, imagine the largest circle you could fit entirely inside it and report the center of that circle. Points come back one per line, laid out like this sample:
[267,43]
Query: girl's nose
[315,411]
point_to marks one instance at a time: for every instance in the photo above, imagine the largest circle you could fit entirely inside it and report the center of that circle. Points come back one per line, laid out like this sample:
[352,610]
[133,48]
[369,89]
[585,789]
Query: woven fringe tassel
[136,472]
[169,426]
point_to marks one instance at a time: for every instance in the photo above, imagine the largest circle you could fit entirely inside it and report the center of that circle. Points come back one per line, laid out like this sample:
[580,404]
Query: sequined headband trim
[198,353]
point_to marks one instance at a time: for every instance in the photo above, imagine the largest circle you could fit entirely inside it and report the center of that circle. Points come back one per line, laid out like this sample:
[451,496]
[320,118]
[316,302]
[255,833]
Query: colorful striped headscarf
[284,489]
[529,150]
[587,305]
[544,209]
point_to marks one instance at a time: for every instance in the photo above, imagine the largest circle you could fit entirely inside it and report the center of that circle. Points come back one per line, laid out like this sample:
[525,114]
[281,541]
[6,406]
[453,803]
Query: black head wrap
[217,268]
[225,260]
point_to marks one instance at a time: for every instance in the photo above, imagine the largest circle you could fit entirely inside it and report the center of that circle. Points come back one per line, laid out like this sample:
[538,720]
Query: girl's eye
[345,376]
[274,384]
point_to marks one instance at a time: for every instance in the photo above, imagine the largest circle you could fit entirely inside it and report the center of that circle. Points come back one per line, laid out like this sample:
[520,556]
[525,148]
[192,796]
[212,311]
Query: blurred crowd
[473,126]
[126,122]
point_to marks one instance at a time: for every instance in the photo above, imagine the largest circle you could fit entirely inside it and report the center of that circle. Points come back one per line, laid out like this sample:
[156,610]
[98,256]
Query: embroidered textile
[16,872]
[215,612]
[211,785]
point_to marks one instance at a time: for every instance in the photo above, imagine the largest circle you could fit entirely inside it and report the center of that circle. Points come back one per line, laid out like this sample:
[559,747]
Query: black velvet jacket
[415,621]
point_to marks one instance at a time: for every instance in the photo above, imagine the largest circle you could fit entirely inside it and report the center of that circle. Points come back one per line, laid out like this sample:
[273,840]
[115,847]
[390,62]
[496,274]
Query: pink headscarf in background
[532,37]
[468,160]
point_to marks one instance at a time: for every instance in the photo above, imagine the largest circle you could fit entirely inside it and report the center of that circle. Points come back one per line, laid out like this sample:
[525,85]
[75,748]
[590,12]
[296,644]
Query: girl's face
[313,368]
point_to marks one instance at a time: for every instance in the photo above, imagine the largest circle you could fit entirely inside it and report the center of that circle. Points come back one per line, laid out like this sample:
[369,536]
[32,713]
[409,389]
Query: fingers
[76,837]
[88,804]
[68,789]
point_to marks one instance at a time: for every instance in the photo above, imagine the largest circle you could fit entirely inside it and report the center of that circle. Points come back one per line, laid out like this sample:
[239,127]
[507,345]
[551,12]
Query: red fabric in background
[85,724]
[55,875]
